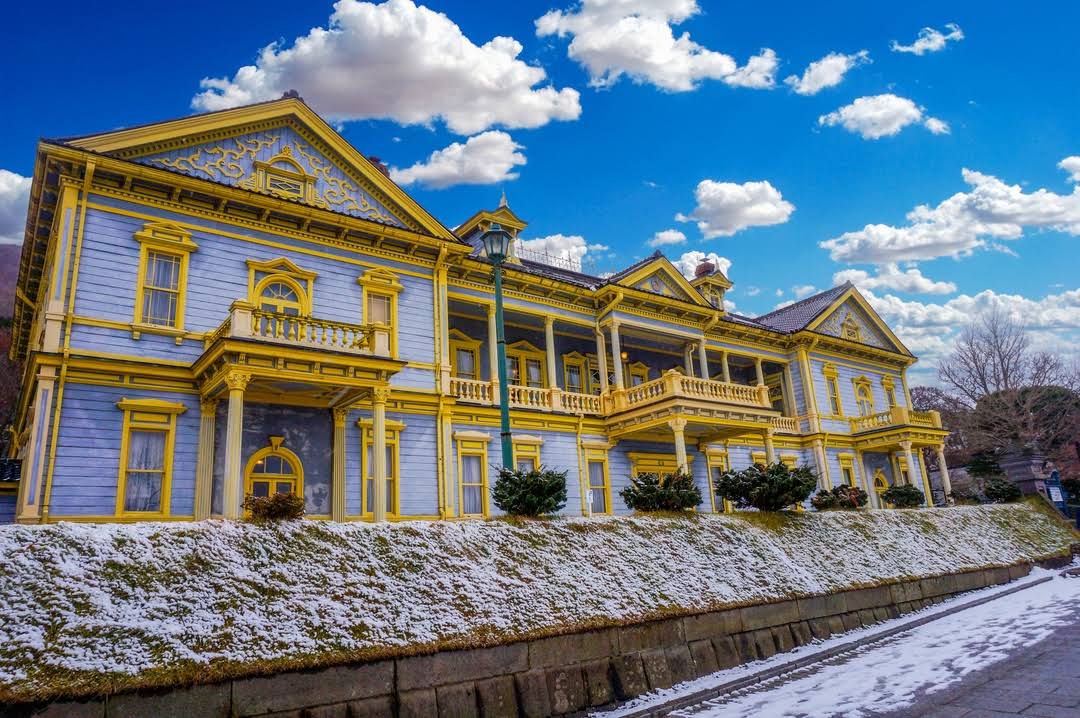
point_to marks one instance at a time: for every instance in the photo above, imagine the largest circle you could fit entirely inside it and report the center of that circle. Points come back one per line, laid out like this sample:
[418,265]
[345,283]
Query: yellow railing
[786,424]
[871,421]
[471,390]
[529,397]
[247,322]
[896,416]
[645,393]
[673,384]
[581,403]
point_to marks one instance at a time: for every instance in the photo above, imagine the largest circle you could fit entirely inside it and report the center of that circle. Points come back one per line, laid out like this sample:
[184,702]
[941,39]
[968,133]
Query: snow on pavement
[892,675]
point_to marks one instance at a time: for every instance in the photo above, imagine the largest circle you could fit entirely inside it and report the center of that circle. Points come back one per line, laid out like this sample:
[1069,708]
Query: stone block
[299,689]
[657,634]
[380,707]
[532,691]
[449,667]
[906,591]
[767,615]
[70,709]
[630,680]
[938,586]
[766,644]
[868,598]
[335,710]
[800,633]
[654,661]
[1019,571]
[566,689]
[711,625]
[419,703]
[819,628]
[905,607]
[998,576]
[680,663]
[457,700]
[211,701]
[745,647]
[573,648]
[881,614]
[783,639]
[892,612]
[497,697]
[836,624]
[867,617]
[821,606]
[704,657]
[727,655]
[599,682]
[851,620]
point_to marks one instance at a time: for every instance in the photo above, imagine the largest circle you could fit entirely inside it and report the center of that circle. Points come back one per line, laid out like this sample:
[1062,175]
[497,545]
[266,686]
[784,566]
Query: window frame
[889,385]
[303,303]
[832,390]
[275,449]
[578,361]
[718,460]
[652,463]
[521,353]
[380,282]
[527,447]
[637,370]
[847,469]
[169,240]
[472,448]
[393,468]
[460,341]
[147,415]
[261,274]
[862,386]
[597,456]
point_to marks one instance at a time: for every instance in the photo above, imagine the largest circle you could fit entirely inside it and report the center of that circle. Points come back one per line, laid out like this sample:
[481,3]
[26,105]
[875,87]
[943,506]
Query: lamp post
[497,246]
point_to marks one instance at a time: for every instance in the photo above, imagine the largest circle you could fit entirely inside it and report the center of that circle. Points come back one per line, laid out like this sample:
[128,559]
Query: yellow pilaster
[204,468]
[378,450]
[337,476]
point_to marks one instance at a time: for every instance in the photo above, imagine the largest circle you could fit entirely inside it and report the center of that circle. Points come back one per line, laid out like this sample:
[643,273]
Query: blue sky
[613,114]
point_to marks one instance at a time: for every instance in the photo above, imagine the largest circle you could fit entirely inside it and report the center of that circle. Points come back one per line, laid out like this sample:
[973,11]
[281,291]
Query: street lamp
[497,246]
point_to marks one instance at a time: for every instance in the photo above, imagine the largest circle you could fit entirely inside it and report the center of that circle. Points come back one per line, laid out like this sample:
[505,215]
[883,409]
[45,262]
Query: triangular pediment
[660,276]
[281,149]
[852,318]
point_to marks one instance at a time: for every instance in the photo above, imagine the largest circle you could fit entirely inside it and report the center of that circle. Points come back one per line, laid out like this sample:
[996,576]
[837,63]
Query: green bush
[539,492]
[904,496]
[1072,487]
[276,507]
[843,497]
[662,492]
[999,490]
[766,488]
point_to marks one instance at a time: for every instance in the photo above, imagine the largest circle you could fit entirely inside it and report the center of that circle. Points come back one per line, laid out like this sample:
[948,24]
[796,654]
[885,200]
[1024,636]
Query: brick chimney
[704,268]
[379,165]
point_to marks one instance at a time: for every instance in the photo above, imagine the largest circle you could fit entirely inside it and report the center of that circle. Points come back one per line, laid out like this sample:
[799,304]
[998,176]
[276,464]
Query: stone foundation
[547,676]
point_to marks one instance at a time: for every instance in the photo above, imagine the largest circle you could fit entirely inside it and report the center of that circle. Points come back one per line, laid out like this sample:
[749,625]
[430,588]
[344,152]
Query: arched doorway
[881,485]
[274,470]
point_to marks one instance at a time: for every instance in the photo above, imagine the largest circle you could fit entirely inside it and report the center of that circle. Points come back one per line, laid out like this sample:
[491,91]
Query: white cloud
[753,291]
[14,197]
[877,116]
[889,276]
[487,158]
[803,290]
[613,38]
[990,210]
[930,40]
[568,247]
[689,261]
[401,62]
[779,292]
[724,208]
[1072,166]
[829,71]
[665,237]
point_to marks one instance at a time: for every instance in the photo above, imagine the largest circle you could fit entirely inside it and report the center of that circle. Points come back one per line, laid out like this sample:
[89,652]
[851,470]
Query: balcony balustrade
[247,322]
[896,416]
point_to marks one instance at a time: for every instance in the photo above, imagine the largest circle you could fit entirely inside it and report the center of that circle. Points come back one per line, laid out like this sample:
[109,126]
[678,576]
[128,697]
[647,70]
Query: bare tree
[10,377]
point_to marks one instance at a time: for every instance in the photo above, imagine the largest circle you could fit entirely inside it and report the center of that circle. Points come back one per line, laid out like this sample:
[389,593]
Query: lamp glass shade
[496,243]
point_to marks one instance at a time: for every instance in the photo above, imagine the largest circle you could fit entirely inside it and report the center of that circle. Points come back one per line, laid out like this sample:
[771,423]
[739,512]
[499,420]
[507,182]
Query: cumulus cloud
[566,247]
[803,290]
[401,62]
[689,261]
[753,291]
[989,210]
[1072,166]
[14,197]
[635,38]
[890,276]
[930,40]
[487,158]
[829,71]
[665,237]
[724,208]
[878,116]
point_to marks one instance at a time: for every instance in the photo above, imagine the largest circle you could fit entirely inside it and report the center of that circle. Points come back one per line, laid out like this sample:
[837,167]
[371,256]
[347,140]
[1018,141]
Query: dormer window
[281,184]
[284,177]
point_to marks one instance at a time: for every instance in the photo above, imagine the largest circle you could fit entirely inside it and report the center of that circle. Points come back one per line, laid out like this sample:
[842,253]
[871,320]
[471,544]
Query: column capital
[549,320]
[380,394]
[905,445]
[341,414]
[491,309]
[677,425]
[237,380]
[208,406]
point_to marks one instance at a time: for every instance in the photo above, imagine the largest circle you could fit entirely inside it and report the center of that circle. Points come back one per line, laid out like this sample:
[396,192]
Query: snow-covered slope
[160,603]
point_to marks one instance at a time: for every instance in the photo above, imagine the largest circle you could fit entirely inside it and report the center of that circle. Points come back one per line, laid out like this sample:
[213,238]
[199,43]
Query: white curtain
[596,487]
[146,469]
[472,489]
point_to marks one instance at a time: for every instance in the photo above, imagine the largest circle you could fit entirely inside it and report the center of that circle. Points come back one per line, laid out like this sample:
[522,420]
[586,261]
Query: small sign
[1055,495]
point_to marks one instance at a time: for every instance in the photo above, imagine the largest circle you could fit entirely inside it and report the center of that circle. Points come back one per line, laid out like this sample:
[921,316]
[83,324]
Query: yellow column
[946,485]
[549,354]
[906,446]
[233,494]
[337,476]
[925,480]
[678,427]
[616,355]
[30,499]
[378,451]
[204,467]
[724,368]
[822,461]
[688,359]
[493,355]
[770,450]
[861,467]
[444,329]
[758,370]
[601,359]
[703,359]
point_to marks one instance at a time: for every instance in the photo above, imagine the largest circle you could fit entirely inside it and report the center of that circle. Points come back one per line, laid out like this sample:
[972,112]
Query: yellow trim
[646,462]
[302,305]
[527,448]
[576,360]
[832,387]
[718,459]
[168,240]
[600,456]
[460,341]
[521,353]
[662,265]
[637,370]
[275,449]
[302,281]
[872,315]
[847,469]
[147,415]
[477,448]
[393,468]
[889,385]
[864,391]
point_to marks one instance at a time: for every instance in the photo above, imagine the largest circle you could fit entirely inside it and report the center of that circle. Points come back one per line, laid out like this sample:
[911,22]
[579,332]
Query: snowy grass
[90,609]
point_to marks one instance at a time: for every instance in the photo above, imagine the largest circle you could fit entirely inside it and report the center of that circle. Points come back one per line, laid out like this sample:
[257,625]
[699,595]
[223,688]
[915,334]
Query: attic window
[280,184]
[850,329]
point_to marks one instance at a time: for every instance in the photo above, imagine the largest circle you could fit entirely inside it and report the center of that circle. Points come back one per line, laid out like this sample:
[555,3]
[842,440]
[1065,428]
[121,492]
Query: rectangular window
[472,483]
[391,475]
[144,479]
[598,486]
[161,288]
[534,373]
[465,363]
[834,396]
[527,456]
[380,311]
[573,378]
[718,464]
[849,475]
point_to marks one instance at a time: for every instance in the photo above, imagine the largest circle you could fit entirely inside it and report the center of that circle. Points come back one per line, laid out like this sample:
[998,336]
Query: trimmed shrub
[767,488]
[904,496]
[999,490]
[276,507]
[539,492]
[662,492]
[843,497]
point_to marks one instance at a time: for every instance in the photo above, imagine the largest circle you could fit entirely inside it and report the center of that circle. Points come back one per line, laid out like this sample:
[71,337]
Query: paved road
[1042,680]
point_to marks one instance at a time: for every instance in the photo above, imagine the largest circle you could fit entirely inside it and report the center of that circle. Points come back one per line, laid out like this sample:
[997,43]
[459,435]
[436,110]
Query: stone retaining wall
[542,677]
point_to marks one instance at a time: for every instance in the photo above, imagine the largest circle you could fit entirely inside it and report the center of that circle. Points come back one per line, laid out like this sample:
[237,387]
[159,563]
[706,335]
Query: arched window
[274,470]
[865,400]
[881,485]
[280,295]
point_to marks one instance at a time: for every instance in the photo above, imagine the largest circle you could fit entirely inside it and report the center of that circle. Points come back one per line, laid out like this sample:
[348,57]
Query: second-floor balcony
[247,322]
[896,416]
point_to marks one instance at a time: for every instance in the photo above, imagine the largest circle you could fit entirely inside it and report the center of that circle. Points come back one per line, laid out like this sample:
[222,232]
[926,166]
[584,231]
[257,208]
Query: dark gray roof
[795,317]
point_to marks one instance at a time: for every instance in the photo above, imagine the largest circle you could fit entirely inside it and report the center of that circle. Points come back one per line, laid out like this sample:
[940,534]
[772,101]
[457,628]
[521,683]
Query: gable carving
[848,321]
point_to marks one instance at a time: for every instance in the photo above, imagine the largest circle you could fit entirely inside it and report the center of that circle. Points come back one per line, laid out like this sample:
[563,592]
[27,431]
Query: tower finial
[502,200]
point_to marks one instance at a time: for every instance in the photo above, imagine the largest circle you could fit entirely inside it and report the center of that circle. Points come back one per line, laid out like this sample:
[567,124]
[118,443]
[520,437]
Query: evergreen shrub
[843,497]
[662,492]
[904,496]
[999,490]
[276,507]
[537,492]
[767,488]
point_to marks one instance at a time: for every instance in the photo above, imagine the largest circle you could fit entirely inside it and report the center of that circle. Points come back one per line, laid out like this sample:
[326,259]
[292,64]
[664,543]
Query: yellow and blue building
[240,303]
